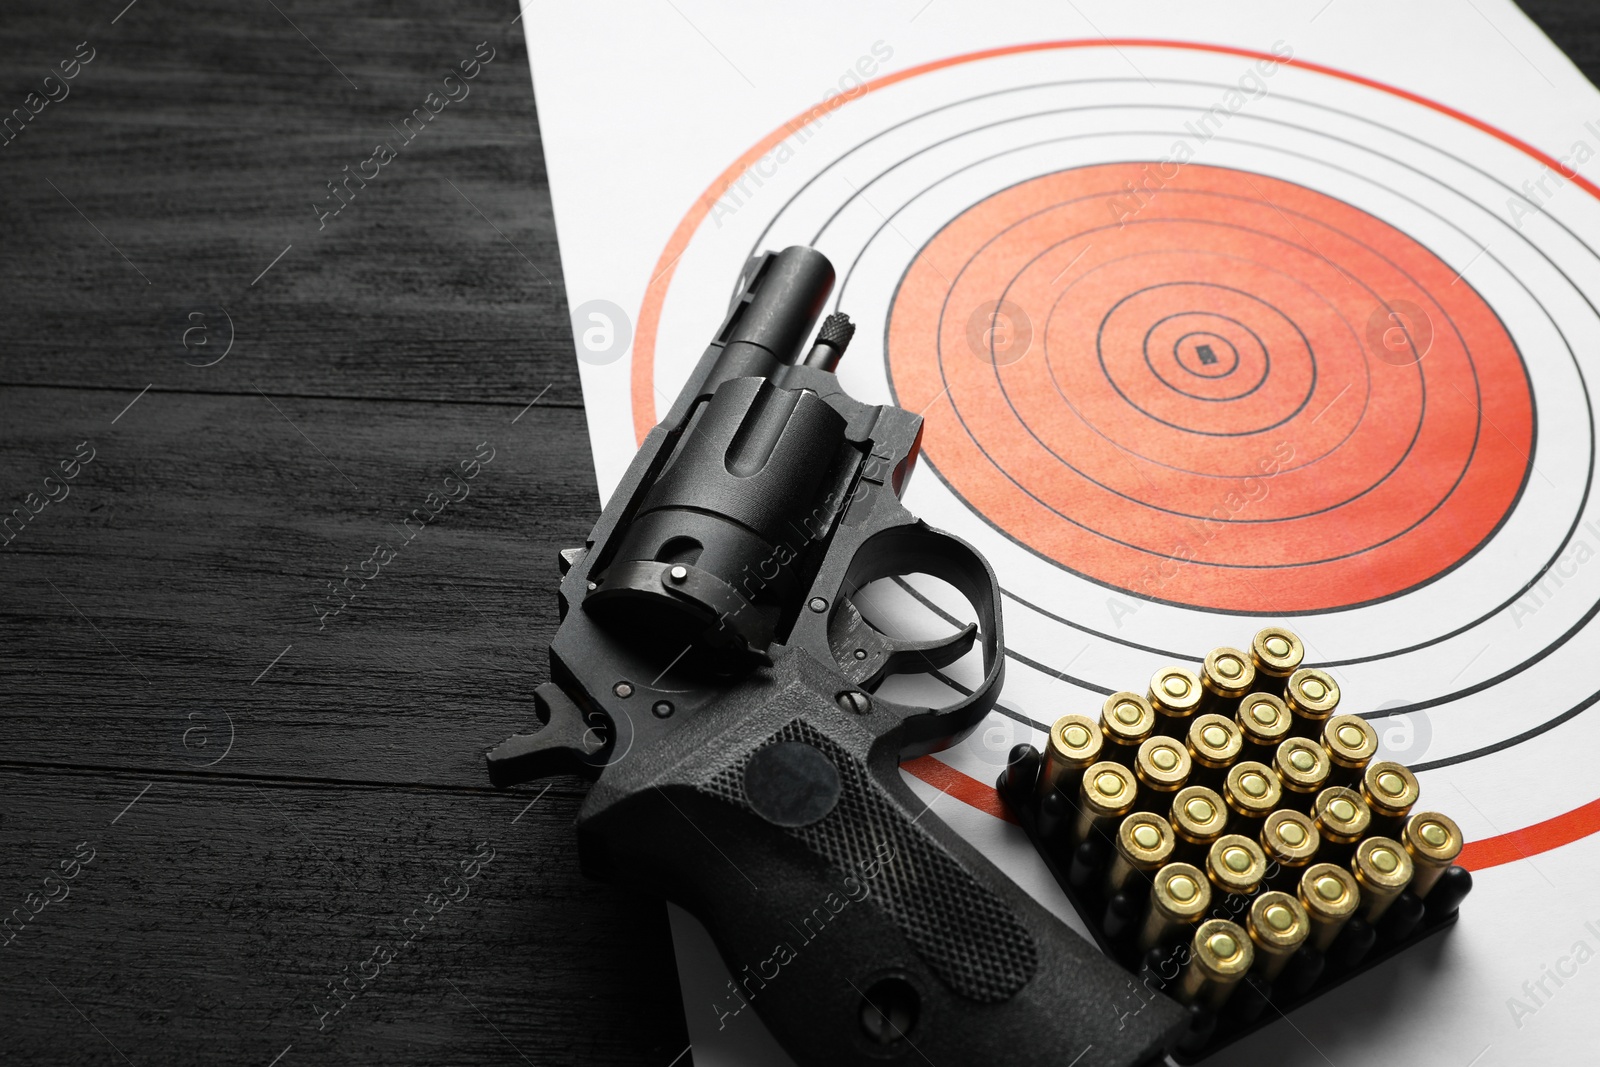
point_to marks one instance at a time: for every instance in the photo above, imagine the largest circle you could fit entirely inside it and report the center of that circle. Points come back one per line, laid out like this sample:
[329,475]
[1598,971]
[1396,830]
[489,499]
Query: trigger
[568,744]
[867,656]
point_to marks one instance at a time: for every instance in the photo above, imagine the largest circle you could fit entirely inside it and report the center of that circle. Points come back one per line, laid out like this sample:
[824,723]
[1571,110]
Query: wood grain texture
[195,145]
[198,547]
[213,917]
[1574,25]
[293,818]
[285,824]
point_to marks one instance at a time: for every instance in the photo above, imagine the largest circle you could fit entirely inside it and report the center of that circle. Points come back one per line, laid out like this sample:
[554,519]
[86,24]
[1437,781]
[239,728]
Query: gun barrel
[781,307]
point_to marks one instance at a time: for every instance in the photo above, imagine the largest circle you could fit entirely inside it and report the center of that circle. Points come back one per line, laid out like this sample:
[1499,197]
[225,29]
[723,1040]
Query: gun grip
[861,928]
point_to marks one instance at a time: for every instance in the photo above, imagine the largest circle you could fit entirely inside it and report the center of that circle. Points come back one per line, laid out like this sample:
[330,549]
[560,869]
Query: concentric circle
[1206,346]
[1332,477]
[1201,328]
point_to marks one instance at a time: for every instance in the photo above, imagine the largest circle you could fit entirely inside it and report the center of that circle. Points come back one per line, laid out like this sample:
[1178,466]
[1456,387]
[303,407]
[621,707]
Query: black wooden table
[282,491]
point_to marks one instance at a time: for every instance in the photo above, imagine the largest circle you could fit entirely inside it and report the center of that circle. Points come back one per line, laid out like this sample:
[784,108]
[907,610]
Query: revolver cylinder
[718,553]
[720,549]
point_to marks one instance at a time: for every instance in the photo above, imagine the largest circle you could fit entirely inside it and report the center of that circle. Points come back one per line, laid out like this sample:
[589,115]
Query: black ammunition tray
[1081,873]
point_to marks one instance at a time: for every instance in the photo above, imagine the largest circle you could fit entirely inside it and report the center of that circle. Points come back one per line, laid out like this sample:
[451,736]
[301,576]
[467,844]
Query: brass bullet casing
[1105,795]
[1174,694]
[1214,743]
[1198,818]
[1179,895]
[1382,868]
[1302,768]
[1278,925]
[1390,790]
[1264,722]
[1162,765]
[1220,955]
[1073,747]
[1311,695]
[1433,841]
[1275,653]
[1330,896]
[1342,819]
[1350,742]
[1126,721]
[1251,791]
[1235,864]
[1226,675]
[1290,840]
[1144,845]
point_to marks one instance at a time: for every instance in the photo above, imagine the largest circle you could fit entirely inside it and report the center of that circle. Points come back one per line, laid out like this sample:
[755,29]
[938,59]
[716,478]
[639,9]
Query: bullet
[1226,675]
[1179,895]
[1448,892]
[1198,818]
[1342,819]
[1278,926]
[1330,896]
[1021,776]
[1073,746]
[1086,863]
[1174,694]
[1350,742]
[1126,721]
[1382,868]
[1105,795]
[1311,695]
[1403,916]
[1390,790]
[1144,845]
[1290,840]
[1235,865]
[1352,945]
[1276,654]
[1162,766]
[1053,815]
[1121,913]
[1220,955]
[1214,742]
[1302,768]
[1433,841]
[1251,791]
[1264,721]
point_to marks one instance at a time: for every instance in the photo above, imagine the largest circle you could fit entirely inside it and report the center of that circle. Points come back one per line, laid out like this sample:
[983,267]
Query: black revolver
[714,677]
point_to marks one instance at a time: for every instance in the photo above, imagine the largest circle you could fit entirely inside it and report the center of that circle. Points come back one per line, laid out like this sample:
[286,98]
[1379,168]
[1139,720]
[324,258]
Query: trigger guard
[916,548]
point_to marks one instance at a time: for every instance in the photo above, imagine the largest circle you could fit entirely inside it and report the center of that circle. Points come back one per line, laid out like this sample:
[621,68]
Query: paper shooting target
[1205,338]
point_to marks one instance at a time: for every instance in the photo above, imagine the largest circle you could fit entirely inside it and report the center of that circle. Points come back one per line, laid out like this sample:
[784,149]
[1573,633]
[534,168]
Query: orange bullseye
[1202,416]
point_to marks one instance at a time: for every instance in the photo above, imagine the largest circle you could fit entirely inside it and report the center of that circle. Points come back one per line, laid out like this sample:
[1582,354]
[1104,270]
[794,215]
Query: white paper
[1413,128]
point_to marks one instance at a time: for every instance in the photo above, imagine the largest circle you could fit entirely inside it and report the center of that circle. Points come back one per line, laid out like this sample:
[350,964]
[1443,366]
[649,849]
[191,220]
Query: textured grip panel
[965,934]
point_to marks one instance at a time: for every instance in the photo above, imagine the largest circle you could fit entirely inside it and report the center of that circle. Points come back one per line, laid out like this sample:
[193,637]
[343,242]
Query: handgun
[715,677]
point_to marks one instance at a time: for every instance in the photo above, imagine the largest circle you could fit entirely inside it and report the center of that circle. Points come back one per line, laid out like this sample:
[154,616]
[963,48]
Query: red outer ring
[1529,841]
